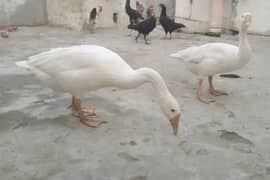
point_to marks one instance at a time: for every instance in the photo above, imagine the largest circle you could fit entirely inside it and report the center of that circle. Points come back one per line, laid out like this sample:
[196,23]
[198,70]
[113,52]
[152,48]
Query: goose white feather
[213,58]
[80,69]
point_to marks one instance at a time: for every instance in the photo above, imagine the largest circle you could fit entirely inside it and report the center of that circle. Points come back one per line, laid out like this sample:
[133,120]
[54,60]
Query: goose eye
[173,110]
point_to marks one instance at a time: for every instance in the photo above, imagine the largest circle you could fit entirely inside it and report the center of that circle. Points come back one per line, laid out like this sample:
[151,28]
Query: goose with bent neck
[147,75]
[213,58]
[80,69]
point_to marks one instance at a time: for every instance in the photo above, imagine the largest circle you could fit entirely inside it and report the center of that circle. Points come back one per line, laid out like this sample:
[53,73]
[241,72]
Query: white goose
[80,69]
[214,58]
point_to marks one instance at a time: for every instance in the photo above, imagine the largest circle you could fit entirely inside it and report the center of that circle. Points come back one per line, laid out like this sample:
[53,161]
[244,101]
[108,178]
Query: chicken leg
[212,90]
[145,39]
[87,116]
[139,34]
[165,37]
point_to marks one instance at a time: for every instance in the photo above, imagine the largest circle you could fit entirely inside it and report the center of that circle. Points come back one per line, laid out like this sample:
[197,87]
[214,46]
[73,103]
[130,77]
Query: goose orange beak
[175,122]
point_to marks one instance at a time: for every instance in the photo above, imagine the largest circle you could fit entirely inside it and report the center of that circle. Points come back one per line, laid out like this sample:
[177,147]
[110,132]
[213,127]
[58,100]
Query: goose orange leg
[87,116]
[200,94]
[212,90]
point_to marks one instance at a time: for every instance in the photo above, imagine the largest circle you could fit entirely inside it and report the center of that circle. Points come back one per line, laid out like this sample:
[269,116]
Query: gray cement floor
[226,140]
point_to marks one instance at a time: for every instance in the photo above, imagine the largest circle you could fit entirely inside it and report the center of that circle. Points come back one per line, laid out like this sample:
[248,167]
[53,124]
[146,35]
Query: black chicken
[144,27]
[93,16]
[134,15]
[168,24]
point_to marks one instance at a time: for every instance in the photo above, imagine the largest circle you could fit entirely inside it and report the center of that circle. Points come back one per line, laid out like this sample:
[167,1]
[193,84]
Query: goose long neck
[153,77]
[244,48]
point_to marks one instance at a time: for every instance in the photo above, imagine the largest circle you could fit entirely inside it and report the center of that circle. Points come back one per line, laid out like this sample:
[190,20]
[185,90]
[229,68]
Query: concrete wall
[170,5]
[75,13]
[260,11]
[67,13]
[196,14]
[22,12]
[105,19]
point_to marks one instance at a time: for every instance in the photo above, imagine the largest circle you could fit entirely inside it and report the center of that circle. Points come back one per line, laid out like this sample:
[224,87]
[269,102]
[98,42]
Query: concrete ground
[40,139]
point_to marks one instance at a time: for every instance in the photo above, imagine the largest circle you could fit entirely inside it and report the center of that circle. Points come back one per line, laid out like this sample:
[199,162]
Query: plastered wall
[22,12]
[196,14]
[74,13]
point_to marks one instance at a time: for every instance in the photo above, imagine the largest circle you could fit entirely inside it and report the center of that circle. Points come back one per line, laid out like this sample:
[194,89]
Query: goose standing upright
[214,58]
[80,69]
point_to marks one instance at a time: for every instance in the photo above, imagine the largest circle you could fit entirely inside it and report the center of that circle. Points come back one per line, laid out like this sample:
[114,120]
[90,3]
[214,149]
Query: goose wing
[77,58]
[214,51]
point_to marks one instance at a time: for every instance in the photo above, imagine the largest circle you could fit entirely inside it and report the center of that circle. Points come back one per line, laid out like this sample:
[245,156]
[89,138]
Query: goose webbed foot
[205,100]
[200,94]
[212,90]
[89,118]
[215,92]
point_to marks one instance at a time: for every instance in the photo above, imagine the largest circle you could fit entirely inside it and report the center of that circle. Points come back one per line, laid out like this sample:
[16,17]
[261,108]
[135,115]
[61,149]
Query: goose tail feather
[23,64]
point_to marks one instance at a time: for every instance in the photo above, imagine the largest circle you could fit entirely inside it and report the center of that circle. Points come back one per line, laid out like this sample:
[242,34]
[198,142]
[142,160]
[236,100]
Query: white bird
[80,69]
[213,58]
